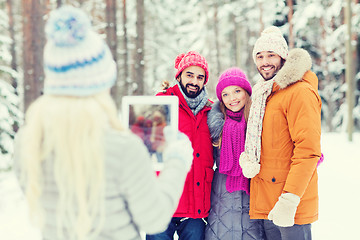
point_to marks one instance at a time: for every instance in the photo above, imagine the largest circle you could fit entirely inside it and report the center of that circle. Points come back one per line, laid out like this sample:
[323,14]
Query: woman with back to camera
[84,176]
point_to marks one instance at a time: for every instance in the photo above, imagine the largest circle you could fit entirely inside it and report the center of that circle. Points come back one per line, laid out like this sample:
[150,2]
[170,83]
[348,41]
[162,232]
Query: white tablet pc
[146,116]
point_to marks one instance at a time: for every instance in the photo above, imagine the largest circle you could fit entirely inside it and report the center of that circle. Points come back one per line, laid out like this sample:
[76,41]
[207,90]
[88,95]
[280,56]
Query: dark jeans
[296,232]
[188,229]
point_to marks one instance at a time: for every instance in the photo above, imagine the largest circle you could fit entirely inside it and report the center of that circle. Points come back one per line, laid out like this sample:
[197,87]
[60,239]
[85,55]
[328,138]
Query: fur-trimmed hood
[215,120]
[297,64]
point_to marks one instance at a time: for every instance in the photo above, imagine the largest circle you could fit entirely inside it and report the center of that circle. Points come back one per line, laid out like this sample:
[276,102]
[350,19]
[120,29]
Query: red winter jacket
[195,199]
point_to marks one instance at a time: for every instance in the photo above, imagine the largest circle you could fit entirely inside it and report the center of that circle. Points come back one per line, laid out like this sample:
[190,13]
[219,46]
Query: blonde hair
[69,130]
[217,143]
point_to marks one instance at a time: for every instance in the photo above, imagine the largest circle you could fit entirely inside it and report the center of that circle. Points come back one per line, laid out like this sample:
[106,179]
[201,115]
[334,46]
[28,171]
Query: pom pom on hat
[232,77]
[178,60]
[271,30]
[67,27]
[271,39]
[191,58]
[77,61]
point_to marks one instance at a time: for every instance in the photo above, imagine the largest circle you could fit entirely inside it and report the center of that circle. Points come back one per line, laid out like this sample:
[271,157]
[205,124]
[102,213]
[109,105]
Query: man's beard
[269,77]
[190,94]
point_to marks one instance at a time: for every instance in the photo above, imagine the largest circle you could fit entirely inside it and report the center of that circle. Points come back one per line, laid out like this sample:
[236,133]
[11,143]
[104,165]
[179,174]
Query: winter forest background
[146,36]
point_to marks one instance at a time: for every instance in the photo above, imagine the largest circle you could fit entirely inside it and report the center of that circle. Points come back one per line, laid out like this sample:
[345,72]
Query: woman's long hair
[70,131]
[217,142]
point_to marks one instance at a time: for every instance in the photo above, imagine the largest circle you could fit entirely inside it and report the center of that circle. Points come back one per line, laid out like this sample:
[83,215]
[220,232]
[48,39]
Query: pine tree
[10,119]
[10,115]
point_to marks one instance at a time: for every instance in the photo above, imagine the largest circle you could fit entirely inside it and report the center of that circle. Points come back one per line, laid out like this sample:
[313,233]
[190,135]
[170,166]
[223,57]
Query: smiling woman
[227,120]
[234,98]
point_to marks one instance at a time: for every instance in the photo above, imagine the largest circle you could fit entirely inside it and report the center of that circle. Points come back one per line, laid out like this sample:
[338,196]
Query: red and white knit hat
[191,58]
[271,39]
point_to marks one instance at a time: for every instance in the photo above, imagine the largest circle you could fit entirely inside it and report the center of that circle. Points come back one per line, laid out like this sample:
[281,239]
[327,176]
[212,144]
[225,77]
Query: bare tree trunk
[33,41]
[59,3]
[9,4]
[132,65]
[47,6]
[125,50]
[349,75]
[249,61]
[209,40]
[290,16]
[111,38]
[355,39]
[216,33]
[235,40]
[155,58]
[355,60]
[261,9]
[139,55]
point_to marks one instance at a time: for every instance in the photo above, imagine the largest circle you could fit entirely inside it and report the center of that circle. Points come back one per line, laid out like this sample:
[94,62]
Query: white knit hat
[77,61]
[271,39]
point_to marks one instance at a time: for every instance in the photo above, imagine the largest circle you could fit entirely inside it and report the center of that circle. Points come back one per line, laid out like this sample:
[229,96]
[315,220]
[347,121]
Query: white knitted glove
[249,168]
[283,213]
[178,146]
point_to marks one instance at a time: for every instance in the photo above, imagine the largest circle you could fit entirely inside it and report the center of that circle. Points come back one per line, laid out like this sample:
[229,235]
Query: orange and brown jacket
[290,139]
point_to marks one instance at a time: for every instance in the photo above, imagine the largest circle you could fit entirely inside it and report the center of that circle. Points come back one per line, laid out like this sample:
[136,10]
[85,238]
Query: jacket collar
[182,102]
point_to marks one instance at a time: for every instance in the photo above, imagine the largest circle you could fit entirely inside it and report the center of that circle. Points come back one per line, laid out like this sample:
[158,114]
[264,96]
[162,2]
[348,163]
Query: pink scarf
[232,145]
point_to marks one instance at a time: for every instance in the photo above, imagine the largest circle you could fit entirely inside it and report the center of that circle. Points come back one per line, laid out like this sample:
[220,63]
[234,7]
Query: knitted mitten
[178,146]
[283,213]
[249,168]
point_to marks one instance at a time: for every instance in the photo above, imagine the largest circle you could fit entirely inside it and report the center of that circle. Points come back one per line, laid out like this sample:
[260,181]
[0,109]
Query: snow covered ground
[339,188]
[339,191]
[14,224]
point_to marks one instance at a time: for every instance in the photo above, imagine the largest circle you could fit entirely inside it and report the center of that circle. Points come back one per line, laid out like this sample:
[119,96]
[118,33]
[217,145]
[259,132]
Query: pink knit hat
[232,77]
[191,58]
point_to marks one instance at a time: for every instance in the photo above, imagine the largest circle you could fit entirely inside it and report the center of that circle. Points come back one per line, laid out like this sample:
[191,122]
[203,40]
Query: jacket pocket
[267,187]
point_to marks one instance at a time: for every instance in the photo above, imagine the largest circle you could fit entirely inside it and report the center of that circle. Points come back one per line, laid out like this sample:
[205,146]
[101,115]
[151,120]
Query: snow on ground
[14,224]
[339,188]
[339,191]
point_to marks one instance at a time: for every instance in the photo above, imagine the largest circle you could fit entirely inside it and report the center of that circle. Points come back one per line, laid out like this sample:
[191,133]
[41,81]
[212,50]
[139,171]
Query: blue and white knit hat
[77,61]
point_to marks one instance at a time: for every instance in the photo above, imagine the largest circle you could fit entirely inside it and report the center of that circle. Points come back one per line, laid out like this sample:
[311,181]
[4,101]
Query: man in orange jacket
[283,140]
